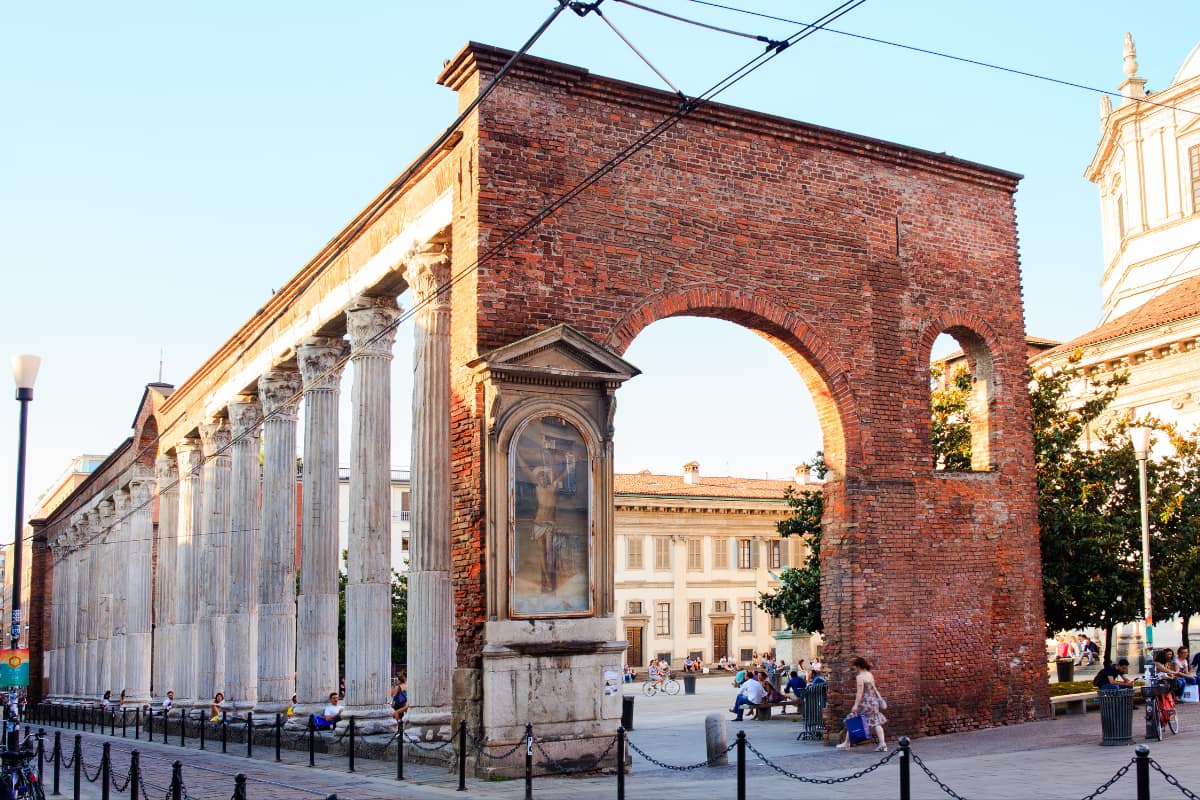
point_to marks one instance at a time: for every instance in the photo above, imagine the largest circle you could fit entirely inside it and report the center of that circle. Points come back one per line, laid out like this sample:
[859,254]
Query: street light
[25,369]
[1139,437]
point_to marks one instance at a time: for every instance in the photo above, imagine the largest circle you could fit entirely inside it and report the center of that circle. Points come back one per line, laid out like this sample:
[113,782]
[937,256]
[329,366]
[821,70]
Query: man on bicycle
[657,674]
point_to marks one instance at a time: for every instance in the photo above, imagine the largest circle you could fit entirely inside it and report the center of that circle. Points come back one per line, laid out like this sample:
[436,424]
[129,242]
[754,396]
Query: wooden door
[720,641]
[633,656]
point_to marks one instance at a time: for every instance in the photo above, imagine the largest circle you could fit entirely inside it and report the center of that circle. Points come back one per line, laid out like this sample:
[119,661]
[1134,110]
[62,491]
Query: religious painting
[550,520]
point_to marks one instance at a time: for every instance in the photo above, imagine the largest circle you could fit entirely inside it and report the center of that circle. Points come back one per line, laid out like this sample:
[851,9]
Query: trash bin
[627,712]
[1116,716]
[689,684]
[1066,669]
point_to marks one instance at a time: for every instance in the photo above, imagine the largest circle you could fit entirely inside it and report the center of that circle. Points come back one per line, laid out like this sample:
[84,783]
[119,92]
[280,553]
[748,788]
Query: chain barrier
[822,781]
[1171,779]
[120,787]
[1108,784]
[665,765]
[562,769]
[480,747]
[940,784]
[417,743]
[90,778]
[68,761]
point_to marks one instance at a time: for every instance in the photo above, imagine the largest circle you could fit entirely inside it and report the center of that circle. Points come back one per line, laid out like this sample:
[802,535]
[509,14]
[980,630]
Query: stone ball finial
[1131,65]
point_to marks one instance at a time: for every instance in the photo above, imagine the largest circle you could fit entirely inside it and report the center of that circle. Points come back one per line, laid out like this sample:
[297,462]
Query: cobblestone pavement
[1051,759]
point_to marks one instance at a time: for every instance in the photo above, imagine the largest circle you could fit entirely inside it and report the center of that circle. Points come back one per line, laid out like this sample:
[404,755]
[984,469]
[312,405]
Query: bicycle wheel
[29,788]
[649,688]
[1173,720]
[1153,721]
[671,686]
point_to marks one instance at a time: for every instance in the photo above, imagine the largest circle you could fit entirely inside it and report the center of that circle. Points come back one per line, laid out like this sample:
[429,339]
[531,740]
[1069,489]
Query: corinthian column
[100,620]
[166,473]
[277,585]
[116,574]
[368,588]
[82,601]
[430,595]
[212,591]
[317,627]
[137,583]
[183,672]
[241,625]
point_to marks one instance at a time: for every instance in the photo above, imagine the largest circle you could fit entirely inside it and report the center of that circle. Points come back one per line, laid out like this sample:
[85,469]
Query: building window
[662,619]
[695,621]
[720,606]
[747,554]
[774,548]
[720,553]
[633,552]
[746,655]
[635,608]
[1194,161]
[662,552]
[777,623]
[747,616]
[695,553]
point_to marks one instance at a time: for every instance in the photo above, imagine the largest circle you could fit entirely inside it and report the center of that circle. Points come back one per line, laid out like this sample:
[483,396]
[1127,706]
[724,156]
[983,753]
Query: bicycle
[1160,710]
[668,686]
[19,779]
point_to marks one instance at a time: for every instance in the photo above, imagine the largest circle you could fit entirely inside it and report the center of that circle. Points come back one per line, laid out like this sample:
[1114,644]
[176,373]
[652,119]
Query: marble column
[430,594]
[82,602]
[117,575]
[277,574]
[212,559]
[241,623]
[97,603]
[137,587]
[184,658]
[368,589]
[166,473]
[317,605]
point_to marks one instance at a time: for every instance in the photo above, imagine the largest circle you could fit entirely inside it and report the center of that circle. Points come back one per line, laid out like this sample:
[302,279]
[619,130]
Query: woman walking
[869,703]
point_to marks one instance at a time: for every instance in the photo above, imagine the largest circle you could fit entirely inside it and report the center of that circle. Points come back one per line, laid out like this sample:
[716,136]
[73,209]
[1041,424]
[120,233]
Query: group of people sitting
[1078,647]
[755,687]
[1176,666]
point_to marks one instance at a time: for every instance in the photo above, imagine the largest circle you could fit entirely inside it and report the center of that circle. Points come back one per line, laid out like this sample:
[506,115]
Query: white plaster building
[401,514]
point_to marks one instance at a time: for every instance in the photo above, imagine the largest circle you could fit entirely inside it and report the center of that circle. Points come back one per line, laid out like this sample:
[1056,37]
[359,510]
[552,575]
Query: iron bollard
[239,786]
[135,774]
[462,755]
[351,724]
[123,721]
[620,762]
[224,731]
[176,789]
[905,778]
[57,759]
[166,715]
[112,722]
[183,727]
[137,723]
[312,741]
[203,726]
[150,724]
[278,736]
[249,734]
[741,765]
[78,762]
[528,761]
[400,749]
[105,769]
[41,752]
[1142,757]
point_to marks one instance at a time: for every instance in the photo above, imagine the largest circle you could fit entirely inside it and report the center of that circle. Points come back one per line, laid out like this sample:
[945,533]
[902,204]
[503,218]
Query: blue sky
[167,165]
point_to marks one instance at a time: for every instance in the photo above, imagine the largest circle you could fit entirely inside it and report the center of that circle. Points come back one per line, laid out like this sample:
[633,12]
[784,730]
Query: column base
[429,724]
[300,714]
[268,709]
[368,720]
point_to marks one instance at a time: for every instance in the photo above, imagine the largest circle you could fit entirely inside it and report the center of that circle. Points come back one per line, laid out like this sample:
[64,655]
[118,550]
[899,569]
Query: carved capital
[245,414]
[319,357]
[140,491]
[120,504]
[275,388]
[369,323]
[108,512]
[190,456]
[429,276]
[166,470]
[214,438]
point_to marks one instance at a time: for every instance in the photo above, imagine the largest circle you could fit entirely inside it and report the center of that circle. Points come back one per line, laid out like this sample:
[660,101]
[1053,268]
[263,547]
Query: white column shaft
[245,515]
[213,559]
[137,598]
[166,472]
[184,658]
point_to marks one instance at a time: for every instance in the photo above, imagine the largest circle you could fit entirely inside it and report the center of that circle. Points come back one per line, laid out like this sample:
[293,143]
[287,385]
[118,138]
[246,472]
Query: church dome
[1190,68]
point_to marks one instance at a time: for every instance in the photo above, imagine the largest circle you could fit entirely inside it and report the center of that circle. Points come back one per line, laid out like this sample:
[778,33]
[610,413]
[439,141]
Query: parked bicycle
[667,685]
[1160,709]
[19,779]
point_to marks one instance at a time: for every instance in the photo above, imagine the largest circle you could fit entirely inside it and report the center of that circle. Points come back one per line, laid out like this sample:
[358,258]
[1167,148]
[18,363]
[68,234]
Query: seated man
[752,693]
[1113,676]
[795,684]
[332,714]
[687,664]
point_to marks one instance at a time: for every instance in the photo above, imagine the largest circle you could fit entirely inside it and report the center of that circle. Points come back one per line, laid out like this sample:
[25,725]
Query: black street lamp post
[25,368]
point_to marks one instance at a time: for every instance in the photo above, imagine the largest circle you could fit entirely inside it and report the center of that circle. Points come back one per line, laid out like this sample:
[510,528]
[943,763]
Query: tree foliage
[798,599]
[950,420]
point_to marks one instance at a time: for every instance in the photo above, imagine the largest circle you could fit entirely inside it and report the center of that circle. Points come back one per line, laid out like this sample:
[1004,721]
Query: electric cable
[756,37]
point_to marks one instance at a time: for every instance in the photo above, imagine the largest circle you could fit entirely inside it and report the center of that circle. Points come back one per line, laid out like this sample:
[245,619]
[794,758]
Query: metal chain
[823,781]
[417,743]
[69,761]
[1104,787]
[663,764]
[479,746]
[1171,779]
[91,779]
[941,785]
[561,769]
[112,775]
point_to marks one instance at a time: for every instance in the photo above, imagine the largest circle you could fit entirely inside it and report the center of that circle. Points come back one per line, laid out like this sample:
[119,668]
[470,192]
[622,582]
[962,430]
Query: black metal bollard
[312,741]
[176,789]
[620,762]
[166,715]
[224,731]
[135,774]
[462,755]
[741,765]
[529,761]
[41,752]
[57,759]
[278,736]
[137,723]
[203,726]
[105,770]
[1142,757]
[112,722]
[905,778]
[249,734]
[239,786]
[351,724]
[150,724]
[123,721]
[78,763]
[400,750]
[183,727]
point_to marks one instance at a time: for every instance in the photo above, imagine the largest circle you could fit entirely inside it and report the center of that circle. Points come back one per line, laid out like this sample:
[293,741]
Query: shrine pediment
[560,352]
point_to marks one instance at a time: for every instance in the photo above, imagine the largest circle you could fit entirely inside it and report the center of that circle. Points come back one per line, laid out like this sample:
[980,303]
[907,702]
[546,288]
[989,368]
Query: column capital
[318,355]
[166,470]
[215,437]
[190,455]
[369,322]
[121,503]
[428,271]
[108,511]
[245,413]
[140,490]
[275,388]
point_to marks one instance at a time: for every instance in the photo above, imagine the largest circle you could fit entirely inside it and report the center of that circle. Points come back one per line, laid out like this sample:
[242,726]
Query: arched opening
[147,442]
[962,387]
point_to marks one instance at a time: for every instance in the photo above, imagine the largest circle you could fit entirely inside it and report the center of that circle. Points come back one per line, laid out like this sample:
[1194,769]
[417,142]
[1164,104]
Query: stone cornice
[1131,349]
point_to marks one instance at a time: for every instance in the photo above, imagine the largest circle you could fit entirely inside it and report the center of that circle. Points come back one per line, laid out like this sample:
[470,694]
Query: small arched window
[962,384]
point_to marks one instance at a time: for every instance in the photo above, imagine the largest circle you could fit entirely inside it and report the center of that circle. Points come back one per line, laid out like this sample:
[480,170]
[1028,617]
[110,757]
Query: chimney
[691,473]
[801,476]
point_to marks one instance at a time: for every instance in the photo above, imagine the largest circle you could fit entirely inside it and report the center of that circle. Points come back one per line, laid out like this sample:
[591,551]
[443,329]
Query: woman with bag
[869,704]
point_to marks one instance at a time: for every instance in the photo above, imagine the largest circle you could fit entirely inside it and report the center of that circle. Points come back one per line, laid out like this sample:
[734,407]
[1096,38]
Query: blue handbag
[856,726]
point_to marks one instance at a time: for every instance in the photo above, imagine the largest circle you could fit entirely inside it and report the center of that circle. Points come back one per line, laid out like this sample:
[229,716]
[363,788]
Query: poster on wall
[551,495]
[14,667]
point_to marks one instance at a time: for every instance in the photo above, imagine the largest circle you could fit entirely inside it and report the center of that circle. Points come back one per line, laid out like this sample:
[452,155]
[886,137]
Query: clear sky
[165,166]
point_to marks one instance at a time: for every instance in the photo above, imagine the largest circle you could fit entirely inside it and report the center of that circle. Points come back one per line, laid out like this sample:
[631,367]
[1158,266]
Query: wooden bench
[762,711]
[1075,703]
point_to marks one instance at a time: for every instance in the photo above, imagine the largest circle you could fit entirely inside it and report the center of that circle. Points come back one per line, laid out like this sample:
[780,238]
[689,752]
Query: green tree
[950,420]
[798,599]
[1174,510]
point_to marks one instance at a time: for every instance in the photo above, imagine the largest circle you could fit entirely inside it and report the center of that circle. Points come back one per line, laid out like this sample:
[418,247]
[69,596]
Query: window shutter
[755,554]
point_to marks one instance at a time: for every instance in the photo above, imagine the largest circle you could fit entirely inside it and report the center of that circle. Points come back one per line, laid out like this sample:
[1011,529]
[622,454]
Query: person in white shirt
[333,711]
[168,701]
[752,693]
